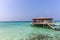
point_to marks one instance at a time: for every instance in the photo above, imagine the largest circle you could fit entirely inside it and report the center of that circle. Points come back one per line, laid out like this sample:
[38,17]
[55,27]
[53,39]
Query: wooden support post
[43,25]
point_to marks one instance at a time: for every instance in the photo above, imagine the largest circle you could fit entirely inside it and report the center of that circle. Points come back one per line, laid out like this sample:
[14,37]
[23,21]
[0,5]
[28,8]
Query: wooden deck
[45,23]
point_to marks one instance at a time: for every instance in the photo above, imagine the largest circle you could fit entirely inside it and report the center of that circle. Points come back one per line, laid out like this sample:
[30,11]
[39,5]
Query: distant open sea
[21,30]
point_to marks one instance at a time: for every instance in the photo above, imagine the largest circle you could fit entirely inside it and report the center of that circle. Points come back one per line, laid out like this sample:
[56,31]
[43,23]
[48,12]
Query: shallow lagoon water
[22,31]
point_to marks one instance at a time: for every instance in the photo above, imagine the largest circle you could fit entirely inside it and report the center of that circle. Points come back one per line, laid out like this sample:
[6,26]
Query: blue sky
[23,10]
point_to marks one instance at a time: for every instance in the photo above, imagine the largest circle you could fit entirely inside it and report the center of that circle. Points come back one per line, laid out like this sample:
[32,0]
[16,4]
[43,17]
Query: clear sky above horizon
[23,10]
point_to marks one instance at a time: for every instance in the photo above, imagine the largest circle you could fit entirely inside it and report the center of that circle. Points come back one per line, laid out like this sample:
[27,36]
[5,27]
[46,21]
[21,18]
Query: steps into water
[51,26]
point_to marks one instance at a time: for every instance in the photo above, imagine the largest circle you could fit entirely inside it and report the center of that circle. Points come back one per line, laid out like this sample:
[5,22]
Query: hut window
[38,21]
[45,21]
[50,21]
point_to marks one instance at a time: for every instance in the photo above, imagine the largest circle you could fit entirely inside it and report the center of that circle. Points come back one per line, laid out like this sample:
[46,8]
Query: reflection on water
[23,31]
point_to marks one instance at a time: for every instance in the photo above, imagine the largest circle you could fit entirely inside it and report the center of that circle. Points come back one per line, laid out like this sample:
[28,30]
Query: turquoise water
[22,30]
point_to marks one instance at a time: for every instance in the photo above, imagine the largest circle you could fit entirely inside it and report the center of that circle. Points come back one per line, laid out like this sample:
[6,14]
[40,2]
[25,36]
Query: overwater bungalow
[43,22]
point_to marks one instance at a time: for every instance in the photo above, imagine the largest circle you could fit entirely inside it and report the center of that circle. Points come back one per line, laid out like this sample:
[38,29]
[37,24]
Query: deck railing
[43,23]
